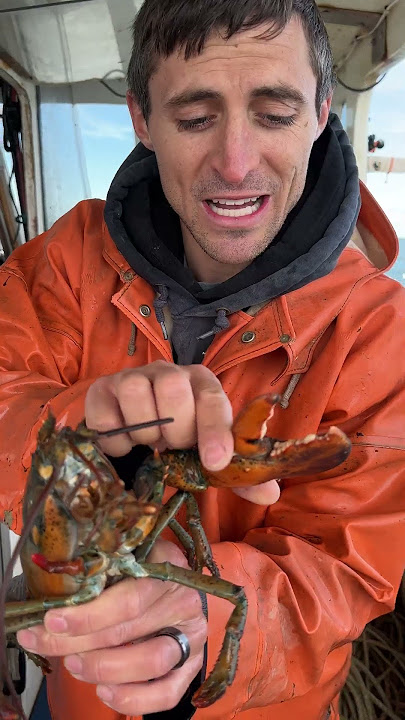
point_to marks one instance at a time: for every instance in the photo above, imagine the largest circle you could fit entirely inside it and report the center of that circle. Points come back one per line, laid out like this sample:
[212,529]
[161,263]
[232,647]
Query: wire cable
[361,90]
[106,85]
[363,36]
[114,92]
[43,5]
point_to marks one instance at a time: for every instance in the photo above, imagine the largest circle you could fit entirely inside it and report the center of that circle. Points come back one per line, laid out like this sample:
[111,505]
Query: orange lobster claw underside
[258,458]
[251,424]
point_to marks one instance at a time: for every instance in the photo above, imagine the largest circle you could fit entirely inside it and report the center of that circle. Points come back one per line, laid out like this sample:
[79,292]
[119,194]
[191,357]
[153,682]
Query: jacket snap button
[285,338]
[145,310]
[128,276]
[248,337]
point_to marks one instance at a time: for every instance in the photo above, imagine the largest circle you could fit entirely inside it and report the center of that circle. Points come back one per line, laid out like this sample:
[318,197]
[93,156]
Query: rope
[375,687]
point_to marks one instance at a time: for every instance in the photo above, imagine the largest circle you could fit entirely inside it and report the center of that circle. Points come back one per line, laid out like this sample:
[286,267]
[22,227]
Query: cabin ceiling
[77,40]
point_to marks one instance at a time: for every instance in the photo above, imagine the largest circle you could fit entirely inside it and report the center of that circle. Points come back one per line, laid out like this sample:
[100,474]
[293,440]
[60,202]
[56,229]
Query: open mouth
[242,207]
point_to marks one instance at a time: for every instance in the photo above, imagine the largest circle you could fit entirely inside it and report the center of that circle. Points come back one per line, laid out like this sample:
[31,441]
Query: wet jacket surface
[329,555]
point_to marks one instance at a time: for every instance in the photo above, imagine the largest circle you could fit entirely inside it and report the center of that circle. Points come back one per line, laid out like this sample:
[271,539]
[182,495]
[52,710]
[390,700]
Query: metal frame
[16,76]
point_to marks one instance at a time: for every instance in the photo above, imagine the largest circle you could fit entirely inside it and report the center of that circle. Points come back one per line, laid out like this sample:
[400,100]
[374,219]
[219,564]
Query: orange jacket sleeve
[40,355]
[332,552]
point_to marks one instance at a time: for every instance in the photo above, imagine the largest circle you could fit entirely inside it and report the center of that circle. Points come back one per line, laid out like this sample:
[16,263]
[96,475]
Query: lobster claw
[258,459]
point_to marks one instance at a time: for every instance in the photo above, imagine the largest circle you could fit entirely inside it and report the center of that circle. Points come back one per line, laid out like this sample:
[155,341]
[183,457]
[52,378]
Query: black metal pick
[133,428]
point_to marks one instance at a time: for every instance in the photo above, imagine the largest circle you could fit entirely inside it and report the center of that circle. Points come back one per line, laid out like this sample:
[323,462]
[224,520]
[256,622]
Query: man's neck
[205,268]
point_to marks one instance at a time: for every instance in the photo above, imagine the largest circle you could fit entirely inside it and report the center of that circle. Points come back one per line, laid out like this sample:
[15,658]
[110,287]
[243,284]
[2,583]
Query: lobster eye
[45,471]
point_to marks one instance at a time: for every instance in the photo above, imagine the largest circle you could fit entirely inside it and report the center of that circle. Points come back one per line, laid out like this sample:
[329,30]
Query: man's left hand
[96,639]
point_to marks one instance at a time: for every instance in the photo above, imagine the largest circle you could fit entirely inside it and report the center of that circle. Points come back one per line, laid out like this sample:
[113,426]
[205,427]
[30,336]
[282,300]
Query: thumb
[265,494]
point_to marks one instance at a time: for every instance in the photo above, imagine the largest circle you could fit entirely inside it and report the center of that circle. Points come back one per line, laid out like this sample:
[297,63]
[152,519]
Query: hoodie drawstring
[221,323]
[131,344]
[159,303]
[286,397]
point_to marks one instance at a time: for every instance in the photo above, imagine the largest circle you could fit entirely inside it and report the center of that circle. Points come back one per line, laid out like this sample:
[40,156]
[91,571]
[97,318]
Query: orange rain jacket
[328,557]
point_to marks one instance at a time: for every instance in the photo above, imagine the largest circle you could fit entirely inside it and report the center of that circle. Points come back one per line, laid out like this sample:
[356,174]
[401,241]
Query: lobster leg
[224,669]
[185,540]
[203,551]
[197,547]
[166,515]
[19,616]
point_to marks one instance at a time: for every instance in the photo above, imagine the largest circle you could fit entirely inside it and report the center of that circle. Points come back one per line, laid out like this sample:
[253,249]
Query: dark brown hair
[162,26]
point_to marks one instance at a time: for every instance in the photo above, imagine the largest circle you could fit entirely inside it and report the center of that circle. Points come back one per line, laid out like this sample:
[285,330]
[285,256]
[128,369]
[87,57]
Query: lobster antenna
[133,428]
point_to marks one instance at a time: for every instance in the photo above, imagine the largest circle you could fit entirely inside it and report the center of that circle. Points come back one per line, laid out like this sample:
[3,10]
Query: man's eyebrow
[280,92]
[276,92]
[188,97]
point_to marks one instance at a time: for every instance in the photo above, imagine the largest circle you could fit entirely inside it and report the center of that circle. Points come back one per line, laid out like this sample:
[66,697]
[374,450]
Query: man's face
[232,130]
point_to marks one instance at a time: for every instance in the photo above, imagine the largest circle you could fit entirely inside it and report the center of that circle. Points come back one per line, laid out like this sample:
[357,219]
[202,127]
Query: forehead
[246,59]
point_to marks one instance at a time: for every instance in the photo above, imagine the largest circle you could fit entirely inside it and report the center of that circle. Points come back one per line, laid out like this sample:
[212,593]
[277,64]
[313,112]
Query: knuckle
[117,446]
[213,397]
[201,632]
[203,372]
[88,622]
[148,436]
[176,691]
[95,388]
[176,557]
[94,668]
[163,661]
[132,383]
[118,635]
[51,645]
[172,388]
[164,550]
[160,365]
[127,598]
[124,700]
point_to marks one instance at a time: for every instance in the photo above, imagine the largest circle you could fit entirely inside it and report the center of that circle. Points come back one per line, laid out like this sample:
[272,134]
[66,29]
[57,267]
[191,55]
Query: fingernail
[56,623]
[74,664]
[213,456]
[104,693]
[27,639]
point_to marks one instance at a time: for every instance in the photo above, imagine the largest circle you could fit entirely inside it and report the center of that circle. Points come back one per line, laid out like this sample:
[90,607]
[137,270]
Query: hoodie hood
[147,232]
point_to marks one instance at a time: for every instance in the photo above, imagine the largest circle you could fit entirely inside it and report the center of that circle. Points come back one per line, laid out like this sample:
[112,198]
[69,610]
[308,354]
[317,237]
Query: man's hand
[192,395]
[96,640]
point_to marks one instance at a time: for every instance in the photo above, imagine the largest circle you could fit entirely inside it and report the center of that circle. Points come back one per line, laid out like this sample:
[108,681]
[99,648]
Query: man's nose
[236,153]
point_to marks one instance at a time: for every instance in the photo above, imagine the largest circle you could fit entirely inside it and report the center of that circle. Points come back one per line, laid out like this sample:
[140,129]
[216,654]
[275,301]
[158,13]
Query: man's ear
[323,116]
[138,121]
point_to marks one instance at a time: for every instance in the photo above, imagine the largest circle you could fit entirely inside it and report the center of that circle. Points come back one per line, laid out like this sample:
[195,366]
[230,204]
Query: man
[231,245]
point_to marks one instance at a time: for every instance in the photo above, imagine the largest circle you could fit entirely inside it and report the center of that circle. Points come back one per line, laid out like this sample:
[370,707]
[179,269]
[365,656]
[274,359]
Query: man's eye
[194,123]
[277,120]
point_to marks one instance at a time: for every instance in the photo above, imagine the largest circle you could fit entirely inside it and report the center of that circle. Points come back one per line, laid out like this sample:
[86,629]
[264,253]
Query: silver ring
[181,639]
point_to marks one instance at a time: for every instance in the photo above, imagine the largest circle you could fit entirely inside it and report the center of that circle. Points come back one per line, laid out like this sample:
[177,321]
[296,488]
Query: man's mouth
[237,208]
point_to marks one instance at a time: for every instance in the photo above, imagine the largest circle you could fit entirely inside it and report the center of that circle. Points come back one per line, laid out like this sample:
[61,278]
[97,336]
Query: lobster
[82,528]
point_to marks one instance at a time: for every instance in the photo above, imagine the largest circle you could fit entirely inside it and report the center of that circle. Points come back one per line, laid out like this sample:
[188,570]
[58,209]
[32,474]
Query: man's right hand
[192,395]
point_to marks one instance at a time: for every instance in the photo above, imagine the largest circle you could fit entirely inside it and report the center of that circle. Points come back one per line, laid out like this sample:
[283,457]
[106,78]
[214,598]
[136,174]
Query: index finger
[213,418]
[116,616]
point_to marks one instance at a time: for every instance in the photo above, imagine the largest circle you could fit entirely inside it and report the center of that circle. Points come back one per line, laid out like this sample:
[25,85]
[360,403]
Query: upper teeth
[236,202]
